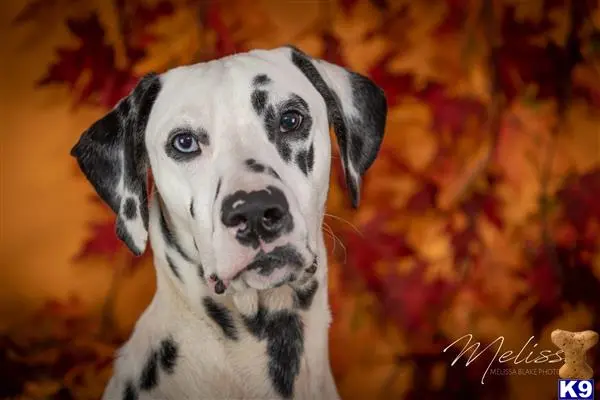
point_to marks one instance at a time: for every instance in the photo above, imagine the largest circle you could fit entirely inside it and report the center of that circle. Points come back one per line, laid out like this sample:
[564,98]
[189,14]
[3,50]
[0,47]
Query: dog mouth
[282,265]
[265,263]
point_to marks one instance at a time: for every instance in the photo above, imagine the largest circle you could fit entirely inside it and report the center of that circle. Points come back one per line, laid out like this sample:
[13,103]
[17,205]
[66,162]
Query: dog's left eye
[290,121]
[185,143]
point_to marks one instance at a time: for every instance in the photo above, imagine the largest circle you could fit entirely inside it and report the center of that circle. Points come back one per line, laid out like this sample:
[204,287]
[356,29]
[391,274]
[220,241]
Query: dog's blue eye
[185,143]
[290,121]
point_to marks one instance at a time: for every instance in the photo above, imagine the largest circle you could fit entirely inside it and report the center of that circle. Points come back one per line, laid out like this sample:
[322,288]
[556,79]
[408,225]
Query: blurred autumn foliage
[481,214]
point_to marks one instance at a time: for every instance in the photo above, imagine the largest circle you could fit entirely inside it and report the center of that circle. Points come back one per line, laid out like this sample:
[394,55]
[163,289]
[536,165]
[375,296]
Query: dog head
[239,152]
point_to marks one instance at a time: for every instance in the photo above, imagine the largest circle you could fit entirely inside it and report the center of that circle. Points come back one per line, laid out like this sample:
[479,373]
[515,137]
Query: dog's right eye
[185,143]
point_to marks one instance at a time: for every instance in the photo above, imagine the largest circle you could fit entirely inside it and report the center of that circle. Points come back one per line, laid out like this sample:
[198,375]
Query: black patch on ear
[261,79]
[130,208]
[129,393]
[285,346]
[305,295]
[192,209]
[173,267]
[113,149]
[259,101]
[359,138]
[169,352]
[221,316]
[149,377]
[169,236]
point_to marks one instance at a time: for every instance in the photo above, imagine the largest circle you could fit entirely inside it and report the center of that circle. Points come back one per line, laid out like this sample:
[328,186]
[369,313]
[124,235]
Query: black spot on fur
[169,351]
[129,393]
[301,161]
[218,189]
[259,101]
[149,377]
[305,295]
[221,316]
[255,166]
[130,208]
[201,271]
[285,346]
[310,157]
[256,323]
[192,213]
[261,79]
[272,172]
[173,267]
[170,237]
[283,331]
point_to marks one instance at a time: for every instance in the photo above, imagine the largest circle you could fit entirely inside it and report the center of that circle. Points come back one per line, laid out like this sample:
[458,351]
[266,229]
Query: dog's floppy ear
[112,155]
[357,109]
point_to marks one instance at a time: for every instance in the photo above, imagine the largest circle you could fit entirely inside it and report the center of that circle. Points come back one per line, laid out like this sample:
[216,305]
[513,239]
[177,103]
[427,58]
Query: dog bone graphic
[575,346]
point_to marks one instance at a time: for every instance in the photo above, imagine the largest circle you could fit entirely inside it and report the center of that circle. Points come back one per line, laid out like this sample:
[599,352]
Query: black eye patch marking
[199,134]
[257,167]
[259,101]
[261,79]
[173,268]
[283,140]
[129,393]
[169,352]
[221,316]
[130,208]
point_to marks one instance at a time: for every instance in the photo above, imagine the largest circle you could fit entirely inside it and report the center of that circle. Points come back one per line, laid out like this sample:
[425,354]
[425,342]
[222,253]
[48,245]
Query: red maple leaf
[37,8]
[332,50]
[415,302]
[579,198]
[225,44]
[450,113]
[106,83]
[102,242]
[395,85]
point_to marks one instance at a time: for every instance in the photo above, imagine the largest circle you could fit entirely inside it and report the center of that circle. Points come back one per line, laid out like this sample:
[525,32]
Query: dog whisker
[329,231]
[345,221]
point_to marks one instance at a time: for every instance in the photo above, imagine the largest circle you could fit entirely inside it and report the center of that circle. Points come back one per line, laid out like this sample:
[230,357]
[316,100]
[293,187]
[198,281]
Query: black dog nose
[262,214]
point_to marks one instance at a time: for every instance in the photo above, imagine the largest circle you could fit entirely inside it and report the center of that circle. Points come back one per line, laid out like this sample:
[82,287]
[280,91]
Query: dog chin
[278,277]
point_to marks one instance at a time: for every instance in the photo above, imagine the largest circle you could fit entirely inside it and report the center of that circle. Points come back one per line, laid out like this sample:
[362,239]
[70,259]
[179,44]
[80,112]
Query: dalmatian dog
[238,152]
